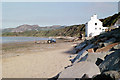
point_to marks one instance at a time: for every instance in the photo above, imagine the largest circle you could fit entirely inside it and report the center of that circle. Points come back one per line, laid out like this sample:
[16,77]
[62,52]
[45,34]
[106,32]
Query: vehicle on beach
[51,41]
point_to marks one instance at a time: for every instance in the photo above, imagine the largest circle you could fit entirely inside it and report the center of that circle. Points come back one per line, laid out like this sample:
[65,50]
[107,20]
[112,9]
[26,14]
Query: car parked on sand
[51,41]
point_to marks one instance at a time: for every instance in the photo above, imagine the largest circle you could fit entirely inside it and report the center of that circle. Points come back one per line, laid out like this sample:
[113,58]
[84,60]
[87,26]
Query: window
[95,23]
[100,28]
[95,28]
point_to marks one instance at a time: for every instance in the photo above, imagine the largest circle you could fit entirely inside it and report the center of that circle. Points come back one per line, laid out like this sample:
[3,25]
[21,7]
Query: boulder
[80,46]
[81,52]
[117,46]
[102,77]
[93,57]
[91,50]
[79,69]
[79,55]
[101,44]
[97,58]
[106,48]
[103,39]
[110,41]
[98,61]
[116,35]
[113,74]
[108,75]
[111,62]
[83,58]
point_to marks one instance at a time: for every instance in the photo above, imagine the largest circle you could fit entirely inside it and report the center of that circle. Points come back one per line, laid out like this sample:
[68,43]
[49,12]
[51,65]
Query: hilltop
[73,30]
[26,27]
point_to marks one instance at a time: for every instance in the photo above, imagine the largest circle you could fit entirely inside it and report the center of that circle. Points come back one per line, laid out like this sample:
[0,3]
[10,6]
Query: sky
[60,0]
[54,13]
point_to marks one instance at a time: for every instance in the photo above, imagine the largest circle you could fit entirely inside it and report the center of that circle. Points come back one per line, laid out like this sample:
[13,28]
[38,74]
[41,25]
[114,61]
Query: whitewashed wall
[92,29]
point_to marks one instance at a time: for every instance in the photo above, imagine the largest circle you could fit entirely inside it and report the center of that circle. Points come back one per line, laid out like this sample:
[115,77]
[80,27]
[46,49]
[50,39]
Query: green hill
[111,20]
[67,31]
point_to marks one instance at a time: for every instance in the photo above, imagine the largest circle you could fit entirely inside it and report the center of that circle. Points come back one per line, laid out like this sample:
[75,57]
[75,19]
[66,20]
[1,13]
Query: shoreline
[22,48]
[35,60]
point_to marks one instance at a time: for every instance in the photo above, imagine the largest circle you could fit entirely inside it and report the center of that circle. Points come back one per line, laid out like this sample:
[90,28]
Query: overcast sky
[54,13]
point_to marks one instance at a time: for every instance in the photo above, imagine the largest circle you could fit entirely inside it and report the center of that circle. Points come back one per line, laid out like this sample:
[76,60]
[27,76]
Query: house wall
[94,27]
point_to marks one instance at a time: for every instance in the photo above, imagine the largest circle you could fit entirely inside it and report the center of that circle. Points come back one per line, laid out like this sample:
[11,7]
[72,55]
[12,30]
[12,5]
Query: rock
[113,74]
[108,42]
[98,61]
[68,66]
[116,35]
[72,56]
[106,48]
[96,46]
[81,46]
[108,53]
[79,69]
[54,78]
[37,42]
[108,75]
[79,55]
[103,39]
[76,39]
[108,34]
[101,44]
[102,77]
[90,50]
[117,46]
[92,57]
[83,58]
[85,76]
[112,62]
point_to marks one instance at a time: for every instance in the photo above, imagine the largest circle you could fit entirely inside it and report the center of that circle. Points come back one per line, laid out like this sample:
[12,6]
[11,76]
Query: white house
[94,27]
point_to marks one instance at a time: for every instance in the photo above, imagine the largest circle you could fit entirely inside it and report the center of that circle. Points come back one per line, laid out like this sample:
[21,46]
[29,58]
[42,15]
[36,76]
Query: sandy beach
[30,60]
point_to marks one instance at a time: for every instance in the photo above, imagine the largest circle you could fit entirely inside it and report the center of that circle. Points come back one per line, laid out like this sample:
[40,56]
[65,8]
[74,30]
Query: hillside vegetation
[66,31]
[111,20]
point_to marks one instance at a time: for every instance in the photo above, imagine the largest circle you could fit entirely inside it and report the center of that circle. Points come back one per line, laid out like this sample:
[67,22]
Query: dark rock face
[102,51]
[113,74]
[102,77]
[108,75]
[112,62]
[116,35]
[98,61]
[108,42]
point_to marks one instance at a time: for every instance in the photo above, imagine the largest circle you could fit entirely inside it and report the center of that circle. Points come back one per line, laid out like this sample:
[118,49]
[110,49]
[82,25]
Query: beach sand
[30,60]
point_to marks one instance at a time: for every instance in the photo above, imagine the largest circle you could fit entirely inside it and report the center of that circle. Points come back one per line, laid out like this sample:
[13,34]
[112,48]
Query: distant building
[94,27]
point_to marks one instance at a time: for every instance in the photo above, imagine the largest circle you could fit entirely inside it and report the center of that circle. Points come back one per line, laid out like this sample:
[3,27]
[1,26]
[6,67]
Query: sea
[20,39]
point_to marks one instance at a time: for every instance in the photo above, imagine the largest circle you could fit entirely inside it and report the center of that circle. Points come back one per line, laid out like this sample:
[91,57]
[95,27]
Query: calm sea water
[20,39]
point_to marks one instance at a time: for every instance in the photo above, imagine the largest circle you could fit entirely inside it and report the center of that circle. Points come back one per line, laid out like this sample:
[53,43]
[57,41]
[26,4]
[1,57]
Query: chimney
[94,16]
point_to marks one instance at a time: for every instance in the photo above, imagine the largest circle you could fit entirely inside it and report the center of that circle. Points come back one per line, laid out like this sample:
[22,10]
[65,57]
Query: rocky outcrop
[112,62]
[108,75]
[96,58]
[79,69]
